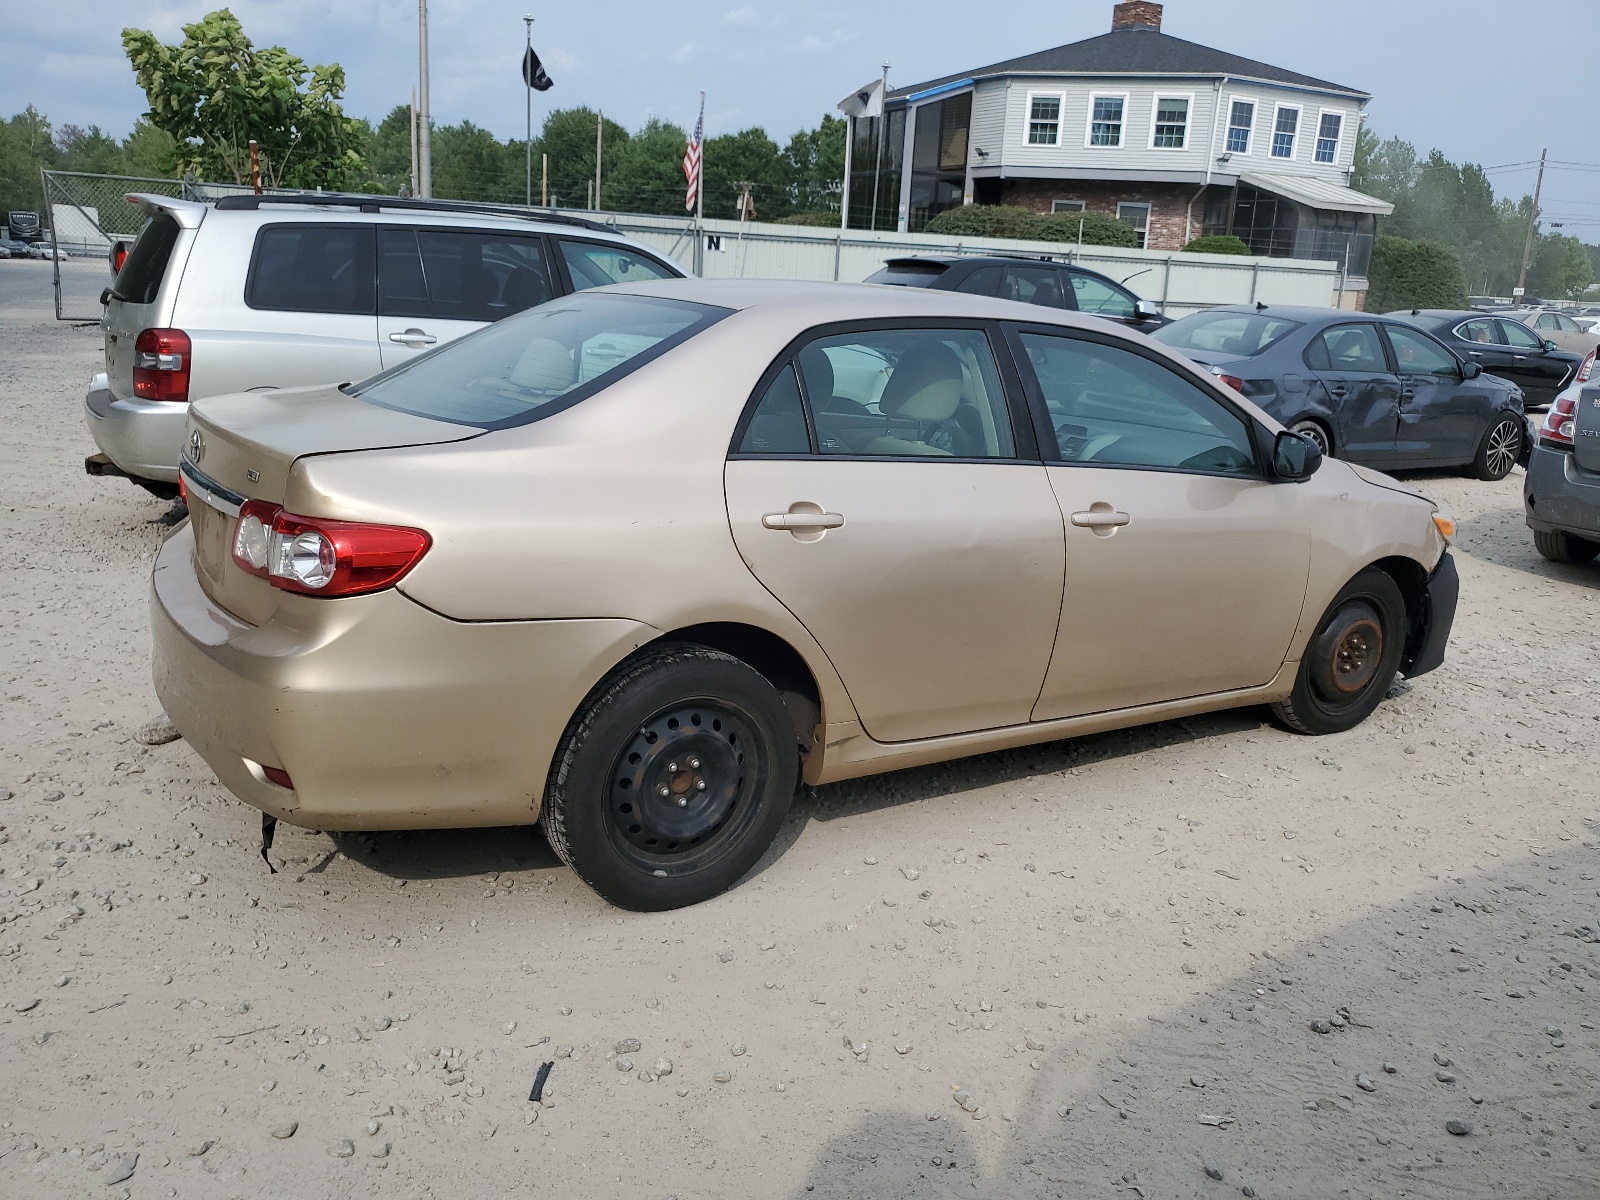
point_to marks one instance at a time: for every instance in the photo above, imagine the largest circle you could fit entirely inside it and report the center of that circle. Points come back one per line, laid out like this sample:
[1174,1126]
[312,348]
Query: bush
[1407,274]
[1217,243]
[827,220]
[1023,224]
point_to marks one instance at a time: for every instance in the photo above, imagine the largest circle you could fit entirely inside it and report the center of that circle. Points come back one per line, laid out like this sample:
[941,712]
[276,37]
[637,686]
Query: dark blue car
[1367,389]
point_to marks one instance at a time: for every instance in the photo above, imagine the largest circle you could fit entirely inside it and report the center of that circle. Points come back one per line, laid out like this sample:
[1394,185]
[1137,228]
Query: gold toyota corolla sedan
[639,561]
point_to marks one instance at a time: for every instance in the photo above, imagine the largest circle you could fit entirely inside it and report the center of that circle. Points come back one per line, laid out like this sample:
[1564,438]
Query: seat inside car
[926,388]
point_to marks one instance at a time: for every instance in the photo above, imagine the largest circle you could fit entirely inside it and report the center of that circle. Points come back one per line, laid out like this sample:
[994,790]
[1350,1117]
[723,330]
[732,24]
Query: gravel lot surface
[1204,958]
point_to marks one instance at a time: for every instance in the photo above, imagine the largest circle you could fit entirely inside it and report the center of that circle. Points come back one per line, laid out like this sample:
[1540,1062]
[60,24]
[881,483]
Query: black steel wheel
[1351,659]
[1501,448]
[672,779]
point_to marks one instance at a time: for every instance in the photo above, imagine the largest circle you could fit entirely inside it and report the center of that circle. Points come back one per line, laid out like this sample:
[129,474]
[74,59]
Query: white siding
[988,123]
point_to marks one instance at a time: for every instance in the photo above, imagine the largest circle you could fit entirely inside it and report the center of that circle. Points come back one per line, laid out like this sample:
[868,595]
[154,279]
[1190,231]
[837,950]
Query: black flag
[533,72]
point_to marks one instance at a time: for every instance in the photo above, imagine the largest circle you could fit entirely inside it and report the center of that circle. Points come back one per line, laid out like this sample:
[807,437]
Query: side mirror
[1549,346]
[1145,310]
[1471,370]
[1295,457]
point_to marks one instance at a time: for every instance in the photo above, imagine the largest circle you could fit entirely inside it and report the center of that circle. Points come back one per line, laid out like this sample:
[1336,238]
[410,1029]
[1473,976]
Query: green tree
[568,138]
[748,156]
[151,151]
[1407,274]
[470,163]
[815,159]
[1561,267]
[215,91]
[91,150]
[27,145]
[648,176]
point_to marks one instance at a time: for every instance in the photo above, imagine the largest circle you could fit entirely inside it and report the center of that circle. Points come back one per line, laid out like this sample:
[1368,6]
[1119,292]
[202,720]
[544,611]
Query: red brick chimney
[1136,14]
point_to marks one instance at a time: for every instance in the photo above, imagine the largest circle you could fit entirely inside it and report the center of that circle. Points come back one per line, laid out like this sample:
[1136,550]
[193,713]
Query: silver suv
[256,293]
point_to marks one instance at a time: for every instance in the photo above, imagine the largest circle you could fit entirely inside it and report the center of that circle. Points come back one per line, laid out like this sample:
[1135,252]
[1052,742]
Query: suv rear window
[540,361]
[313,268]
[141,275]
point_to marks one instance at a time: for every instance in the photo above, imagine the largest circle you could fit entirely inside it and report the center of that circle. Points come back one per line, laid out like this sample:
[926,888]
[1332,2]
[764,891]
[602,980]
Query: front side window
[1033,285]
[1044,120]
[324,268]
[1284,130]
[1137,215]
[592,265]
[1415,353]
[1111,407]
[1351,348]
[1328,131]
[1519,336]
[538,362]
[1244,334]
[1101,298]
[906,393]
[1105,120]
[1241,120]
[1171,128]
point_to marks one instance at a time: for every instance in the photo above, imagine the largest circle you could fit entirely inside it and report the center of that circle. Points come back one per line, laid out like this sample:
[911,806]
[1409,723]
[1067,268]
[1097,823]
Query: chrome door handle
[803,520]
[1100,519]
[413,337]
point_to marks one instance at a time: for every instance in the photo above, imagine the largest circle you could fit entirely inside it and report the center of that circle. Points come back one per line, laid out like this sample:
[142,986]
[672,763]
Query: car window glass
[1519,335]
[1547,321]
[1481,331]
[1246,334]
[1032,285]
[592,265]
[1415,353]
[1353,348]
[778,426]
[1567,324]
[146,264]
[915,393]
[313,268]
[1100,298]
[985,281]
[482,276]
[402,292]
[1110,406]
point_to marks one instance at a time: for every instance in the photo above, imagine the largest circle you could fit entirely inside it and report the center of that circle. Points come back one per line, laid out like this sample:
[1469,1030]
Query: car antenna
[1260,306]
[1416,312]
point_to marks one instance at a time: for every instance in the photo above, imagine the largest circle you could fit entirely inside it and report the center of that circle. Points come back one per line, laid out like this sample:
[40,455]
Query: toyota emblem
[197,446]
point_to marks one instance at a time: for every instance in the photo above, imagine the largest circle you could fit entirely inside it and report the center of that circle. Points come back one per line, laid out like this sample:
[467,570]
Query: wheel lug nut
[694,764]
[700,786]
[663,791]
[683,802]
[672,766]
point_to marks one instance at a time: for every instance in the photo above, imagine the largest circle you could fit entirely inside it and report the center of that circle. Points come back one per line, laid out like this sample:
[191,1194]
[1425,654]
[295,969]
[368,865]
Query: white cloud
[684,52]
[742,16]
[812,44]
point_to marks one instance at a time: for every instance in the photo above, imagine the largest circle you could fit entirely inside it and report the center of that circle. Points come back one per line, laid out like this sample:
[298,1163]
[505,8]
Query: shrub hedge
[1023,224]
[1406,274]
[1217,243]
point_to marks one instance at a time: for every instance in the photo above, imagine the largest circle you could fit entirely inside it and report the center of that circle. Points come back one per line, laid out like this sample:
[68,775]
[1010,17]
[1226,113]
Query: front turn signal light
[1446,526]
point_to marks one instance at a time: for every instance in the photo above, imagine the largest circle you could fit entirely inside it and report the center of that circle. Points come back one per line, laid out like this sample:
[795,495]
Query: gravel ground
[1203,958]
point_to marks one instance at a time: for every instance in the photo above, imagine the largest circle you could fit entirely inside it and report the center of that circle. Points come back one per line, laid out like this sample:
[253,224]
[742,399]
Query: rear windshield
[140,277]
[1243,334]
[909,274]
[539,361]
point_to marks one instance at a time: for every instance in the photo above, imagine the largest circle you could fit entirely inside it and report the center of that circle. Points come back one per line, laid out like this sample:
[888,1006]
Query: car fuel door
[1363,394]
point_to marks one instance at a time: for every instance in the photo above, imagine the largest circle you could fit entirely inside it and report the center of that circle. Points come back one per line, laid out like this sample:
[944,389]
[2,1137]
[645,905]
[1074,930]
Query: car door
[1186,567]
[900,514]
[1441,417]
[1537,371]
[435,285]
[1363,393]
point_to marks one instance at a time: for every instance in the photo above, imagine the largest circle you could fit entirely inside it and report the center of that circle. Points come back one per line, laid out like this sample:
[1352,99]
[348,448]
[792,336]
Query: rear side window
[1352,348]
[459,275]
[140,277]
[1246,334]
[313,268]
[592,265]
[1033,285]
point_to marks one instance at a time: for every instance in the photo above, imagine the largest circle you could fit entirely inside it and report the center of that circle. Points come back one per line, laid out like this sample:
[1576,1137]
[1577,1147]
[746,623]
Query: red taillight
[1586,367]
[278,776]
[183,490]
[1234,382]
[1558,423]
[119,255]
[317,557]
[161,365]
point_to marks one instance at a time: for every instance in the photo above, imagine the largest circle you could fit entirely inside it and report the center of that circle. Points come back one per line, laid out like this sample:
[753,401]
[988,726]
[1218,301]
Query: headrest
[818,370]
[926,384]
[545,366]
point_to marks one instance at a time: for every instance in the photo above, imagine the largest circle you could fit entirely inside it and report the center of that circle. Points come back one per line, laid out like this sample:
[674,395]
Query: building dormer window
[1170,129]
[1044,120]
[1284,130]
[1329,129]
[1105,120]
[1241,121]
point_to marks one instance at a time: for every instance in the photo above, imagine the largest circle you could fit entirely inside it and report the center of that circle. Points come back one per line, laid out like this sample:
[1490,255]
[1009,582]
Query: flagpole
[883,136]
[527,86]
[849,156]
[700,198]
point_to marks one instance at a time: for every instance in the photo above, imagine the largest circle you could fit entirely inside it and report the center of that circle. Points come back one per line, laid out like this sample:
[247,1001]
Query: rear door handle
[803,520]
[413,337]
[1338,390]
[1099,519]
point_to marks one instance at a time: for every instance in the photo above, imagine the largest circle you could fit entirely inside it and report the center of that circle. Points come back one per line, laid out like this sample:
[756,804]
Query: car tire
[1351,659]
[708,729]
[1501,447]
[1561,547]
[1318,433]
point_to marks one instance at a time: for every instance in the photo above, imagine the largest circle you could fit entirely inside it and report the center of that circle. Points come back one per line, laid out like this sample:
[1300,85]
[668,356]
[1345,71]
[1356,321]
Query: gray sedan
[1367,389]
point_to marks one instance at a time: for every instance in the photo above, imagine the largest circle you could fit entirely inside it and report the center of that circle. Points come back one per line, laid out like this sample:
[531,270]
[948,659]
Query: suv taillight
[1556,432]
[161,365]
[1586,368]
[318,557]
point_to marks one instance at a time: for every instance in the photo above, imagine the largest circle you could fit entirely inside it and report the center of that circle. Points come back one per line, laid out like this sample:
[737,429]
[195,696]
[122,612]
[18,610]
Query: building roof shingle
[1135,51]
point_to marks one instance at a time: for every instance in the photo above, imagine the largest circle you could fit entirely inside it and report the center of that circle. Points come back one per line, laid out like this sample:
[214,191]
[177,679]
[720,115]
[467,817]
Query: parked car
[1561,495]
[1555,326]
[264,292]
[5,251]
[14,248]
[46,251]
[637,562]
[1502,345]
[1371,390]
[1029,280]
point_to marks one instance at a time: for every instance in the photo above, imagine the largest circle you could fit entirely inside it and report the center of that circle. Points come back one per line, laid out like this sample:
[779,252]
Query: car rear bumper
[1560,496]
[143,437]
[384,714]
[1438,616]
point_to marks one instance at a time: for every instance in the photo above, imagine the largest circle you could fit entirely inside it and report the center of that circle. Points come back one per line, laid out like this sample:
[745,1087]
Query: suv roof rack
[372,204]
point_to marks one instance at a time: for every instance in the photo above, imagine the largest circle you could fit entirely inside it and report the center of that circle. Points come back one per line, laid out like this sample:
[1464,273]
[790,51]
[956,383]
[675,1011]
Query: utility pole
[527,86]
[412,190]
[599,138]
[1533,225]
[883,136]
[544,181]
[424,130]
[255,167]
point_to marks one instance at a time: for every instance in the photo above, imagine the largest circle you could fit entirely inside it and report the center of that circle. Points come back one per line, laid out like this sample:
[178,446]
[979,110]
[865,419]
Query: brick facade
[1170,217]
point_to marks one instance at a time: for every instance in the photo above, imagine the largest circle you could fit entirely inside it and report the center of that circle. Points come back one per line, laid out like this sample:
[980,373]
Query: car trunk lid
[1586,429]
[243,447]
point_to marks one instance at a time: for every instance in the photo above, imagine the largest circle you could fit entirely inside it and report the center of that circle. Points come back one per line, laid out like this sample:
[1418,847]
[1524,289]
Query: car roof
[1304,313]
[1441,314]
[1002,260]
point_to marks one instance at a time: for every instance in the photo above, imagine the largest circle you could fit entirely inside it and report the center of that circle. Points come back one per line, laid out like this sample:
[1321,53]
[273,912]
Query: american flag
[691,161]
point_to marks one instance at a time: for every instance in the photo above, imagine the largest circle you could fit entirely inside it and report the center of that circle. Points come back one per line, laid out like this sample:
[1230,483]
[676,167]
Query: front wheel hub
[680,778]
[1348,652]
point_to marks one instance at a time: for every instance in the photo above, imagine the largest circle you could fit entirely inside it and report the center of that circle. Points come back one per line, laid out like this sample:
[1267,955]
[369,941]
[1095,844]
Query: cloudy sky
[1483,80]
